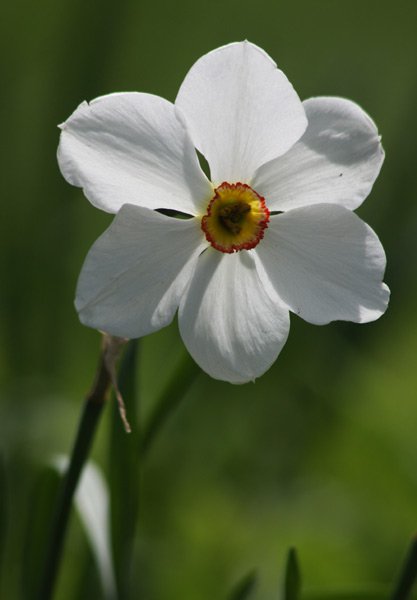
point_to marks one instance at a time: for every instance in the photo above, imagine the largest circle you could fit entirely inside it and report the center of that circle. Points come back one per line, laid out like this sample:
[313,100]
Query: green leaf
[124,472]
[244,588]
[3,510]
[171,396]
[292,581]
[361,595]
[36,533]
[408,575]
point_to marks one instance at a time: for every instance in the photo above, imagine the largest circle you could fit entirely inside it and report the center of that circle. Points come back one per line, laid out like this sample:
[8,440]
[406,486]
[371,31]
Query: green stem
[123,473]
[88,424]
[170,398]
[408,574]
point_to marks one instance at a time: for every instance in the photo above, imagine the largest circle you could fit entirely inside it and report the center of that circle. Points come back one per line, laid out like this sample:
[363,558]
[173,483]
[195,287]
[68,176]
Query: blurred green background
[321,453]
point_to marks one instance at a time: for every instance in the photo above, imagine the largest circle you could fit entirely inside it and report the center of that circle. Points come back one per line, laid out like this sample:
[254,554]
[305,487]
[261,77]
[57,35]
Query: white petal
[229,323]
[336,161]
[135,273]
[240,109]
[326,264]
[131,148]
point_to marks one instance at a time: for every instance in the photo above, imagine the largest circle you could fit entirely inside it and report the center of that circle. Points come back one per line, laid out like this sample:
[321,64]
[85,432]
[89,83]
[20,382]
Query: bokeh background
[320,453]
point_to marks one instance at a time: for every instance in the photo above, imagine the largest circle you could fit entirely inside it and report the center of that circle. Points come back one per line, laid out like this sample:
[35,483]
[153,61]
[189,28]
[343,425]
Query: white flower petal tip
[130,148]
[272,232]
[135,274]
[230,324]
[326,265]
[241,110]
[337,159]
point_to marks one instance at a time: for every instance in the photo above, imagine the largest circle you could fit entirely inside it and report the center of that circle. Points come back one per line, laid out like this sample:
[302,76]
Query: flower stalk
[90,417]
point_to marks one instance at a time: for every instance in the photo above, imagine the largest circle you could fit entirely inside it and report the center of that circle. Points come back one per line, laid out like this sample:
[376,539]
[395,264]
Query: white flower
[272,232]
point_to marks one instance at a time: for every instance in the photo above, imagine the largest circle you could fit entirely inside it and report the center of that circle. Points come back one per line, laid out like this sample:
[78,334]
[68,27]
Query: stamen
[231,215]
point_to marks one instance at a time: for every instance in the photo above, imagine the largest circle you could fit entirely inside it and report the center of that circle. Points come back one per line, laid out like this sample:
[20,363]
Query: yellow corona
[236,218]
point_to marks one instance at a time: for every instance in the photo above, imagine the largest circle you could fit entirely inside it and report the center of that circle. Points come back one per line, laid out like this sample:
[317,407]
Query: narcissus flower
[272,231]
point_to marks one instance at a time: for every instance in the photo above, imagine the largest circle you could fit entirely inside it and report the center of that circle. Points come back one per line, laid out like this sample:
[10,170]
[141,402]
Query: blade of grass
[292,581]
[244,588]
[44,492]
[176,388]
[364,595]
[3,511]
[408,575]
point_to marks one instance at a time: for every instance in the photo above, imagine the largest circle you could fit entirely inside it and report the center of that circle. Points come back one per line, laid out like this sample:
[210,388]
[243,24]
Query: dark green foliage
[292,581]
[408,575]
[244,588]
[37,528]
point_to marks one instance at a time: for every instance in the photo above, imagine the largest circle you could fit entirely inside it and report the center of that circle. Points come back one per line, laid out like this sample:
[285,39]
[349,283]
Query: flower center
[236,218]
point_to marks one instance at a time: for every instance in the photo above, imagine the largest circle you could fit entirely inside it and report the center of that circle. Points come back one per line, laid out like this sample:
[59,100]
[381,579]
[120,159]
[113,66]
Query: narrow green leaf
[3,510]
[37,527]
[176,388]
[292,581]
[408,575]
[124,470]
[361,595]
[244,588]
